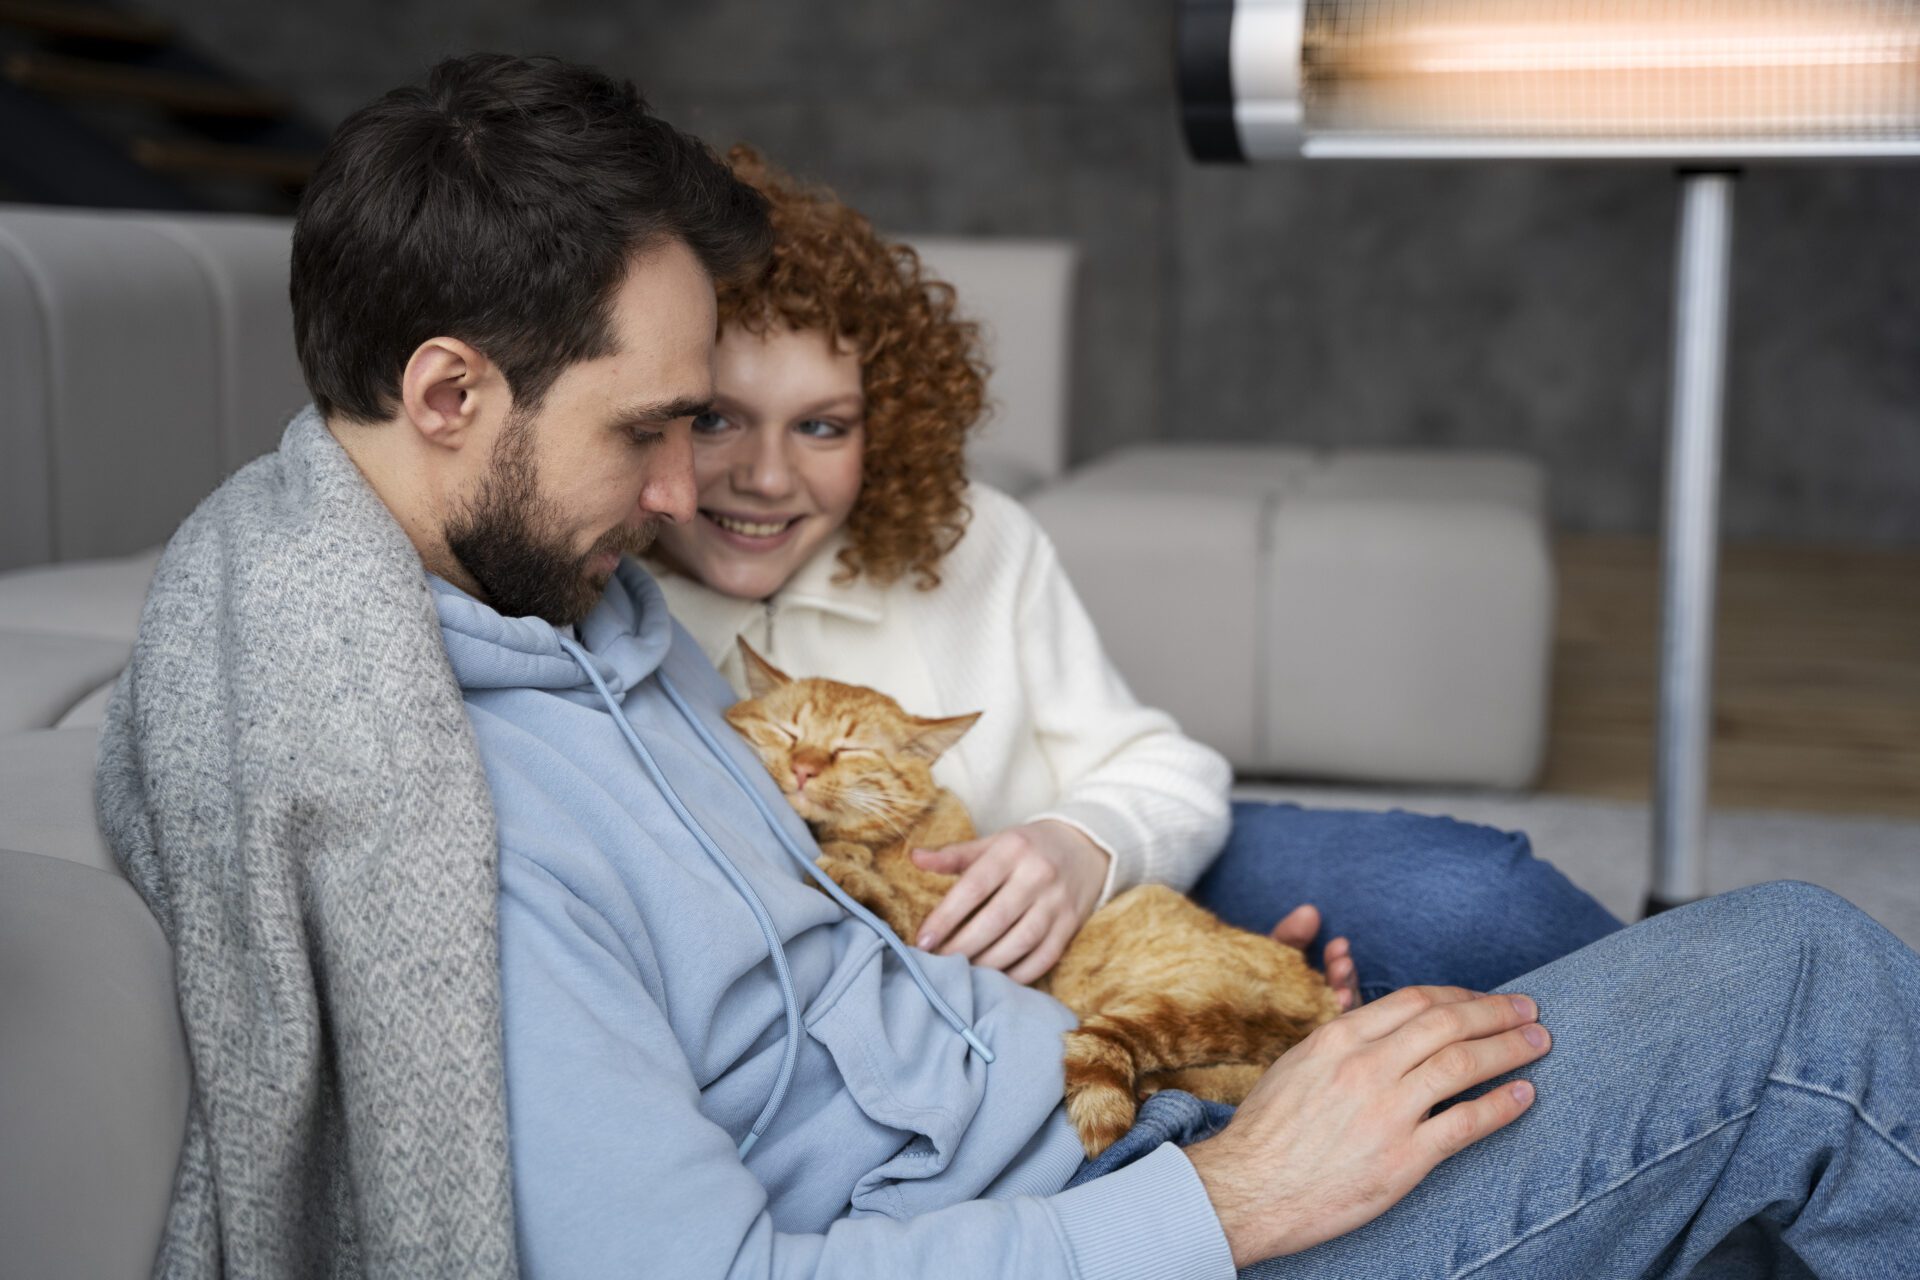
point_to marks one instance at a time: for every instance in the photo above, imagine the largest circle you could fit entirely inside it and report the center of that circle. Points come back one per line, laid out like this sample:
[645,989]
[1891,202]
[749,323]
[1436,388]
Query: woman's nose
[764,469]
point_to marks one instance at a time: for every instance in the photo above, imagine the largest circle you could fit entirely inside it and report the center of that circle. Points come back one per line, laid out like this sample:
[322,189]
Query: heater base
[1655,904]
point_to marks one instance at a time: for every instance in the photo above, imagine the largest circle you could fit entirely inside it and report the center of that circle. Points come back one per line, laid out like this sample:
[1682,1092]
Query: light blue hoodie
[657,943]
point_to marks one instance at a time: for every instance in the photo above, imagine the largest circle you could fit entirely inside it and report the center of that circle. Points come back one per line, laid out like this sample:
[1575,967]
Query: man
[396,683]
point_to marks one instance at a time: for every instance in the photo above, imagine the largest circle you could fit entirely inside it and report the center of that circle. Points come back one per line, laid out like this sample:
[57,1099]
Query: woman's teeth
[750,528]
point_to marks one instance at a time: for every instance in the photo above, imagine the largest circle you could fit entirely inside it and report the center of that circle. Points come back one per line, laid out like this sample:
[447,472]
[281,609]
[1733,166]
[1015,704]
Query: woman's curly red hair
[922,371]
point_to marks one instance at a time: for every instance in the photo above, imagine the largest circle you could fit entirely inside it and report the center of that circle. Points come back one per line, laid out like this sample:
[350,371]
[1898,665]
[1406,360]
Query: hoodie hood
[626,636]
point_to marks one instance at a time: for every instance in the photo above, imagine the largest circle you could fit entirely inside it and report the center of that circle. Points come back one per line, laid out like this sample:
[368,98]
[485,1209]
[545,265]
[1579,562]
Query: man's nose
[670,490]
[764,467]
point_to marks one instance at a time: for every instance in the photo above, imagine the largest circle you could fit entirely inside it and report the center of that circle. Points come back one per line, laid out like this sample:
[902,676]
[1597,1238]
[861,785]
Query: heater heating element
[1706,80]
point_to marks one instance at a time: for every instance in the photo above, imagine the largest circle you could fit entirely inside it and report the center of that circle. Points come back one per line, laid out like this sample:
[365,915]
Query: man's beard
[514,543]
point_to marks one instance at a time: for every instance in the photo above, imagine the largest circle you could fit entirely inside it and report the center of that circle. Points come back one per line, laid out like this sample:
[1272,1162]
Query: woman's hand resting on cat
[1039,882]
[1034,885]
[1342,1126]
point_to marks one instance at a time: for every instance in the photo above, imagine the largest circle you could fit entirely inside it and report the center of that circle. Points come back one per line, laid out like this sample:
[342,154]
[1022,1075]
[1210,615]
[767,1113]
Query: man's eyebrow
[661,412]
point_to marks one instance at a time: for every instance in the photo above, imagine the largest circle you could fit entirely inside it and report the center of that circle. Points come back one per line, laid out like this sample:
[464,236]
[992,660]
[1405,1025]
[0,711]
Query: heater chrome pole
[1690,540]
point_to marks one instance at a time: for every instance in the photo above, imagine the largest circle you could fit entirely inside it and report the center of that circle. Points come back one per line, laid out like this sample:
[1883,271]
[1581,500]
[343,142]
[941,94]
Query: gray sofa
[1362,615]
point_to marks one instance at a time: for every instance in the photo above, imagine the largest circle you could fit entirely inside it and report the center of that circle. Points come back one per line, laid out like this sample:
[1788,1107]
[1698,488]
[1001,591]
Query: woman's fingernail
[926,942]
[1535,1035]
[1521,1090]
[1522,1006]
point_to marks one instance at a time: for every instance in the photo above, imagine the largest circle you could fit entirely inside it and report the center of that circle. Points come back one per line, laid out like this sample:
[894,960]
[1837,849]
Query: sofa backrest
[143,357]
[1021,293]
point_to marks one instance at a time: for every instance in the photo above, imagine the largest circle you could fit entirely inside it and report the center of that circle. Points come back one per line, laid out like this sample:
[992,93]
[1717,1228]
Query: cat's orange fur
[1167,995]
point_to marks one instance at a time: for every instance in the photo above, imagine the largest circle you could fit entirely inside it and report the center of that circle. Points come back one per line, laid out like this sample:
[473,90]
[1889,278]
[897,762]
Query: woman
[838,534]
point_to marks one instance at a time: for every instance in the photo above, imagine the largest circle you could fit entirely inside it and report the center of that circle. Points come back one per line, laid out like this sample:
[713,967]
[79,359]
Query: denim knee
[1486,910]
[1482,873]
[1423,899]
[1794,904]
[1784,914]
[1456,848]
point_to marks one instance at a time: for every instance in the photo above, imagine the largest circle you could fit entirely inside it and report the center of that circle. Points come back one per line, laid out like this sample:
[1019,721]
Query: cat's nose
[802,775]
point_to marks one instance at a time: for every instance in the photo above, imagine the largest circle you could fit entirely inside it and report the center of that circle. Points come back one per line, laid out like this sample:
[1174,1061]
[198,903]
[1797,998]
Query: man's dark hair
[501,204]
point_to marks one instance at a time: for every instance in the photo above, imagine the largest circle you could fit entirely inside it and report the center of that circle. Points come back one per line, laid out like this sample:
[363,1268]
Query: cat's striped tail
[1101,1075]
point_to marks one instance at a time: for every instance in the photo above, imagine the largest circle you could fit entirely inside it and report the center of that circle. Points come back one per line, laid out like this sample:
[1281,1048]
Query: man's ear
[933,738]
[443,390]
[762,676]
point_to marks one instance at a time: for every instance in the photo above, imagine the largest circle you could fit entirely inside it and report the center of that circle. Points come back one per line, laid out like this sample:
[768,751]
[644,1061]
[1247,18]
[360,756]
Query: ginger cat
[1168,997]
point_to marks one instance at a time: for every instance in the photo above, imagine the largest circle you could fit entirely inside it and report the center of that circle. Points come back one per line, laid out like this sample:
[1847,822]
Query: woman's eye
[820,429]
[707,424]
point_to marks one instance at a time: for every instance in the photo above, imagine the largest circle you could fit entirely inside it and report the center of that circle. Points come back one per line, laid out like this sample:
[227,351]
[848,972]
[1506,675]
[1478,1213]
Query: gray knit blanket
[288,778]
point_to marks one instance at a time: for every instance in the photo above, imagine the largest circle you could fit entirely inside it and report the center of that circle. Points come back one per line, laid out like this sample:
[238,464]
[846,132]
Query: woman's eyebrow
[852,400]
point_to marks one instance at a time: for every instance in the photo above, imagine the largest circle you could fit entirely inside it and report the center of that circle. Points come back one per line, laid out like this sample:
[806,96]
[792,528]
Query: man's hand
[1338,1130]
[1033,885]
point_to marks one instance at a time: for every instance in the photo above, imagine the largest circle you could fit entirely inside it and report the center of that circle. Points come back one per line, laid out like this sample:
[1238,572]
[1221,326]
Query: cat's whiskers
[896,814]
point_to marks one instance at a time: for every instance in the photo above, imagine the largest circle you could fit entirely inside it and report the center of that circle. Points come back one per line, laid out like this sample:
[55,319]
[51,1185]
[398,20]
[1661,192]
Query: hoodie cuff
[1149,1221]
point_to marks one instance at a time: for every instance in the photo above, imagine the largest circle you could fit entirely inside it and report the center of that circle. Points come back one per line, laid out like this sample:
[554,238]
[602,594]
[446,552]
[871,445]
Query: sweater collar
[812,587]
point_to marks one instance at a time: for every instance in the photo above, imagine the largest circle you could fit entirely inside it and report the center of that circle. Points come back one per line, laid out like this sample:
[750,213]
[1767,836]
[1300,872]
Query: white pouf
[1372,615]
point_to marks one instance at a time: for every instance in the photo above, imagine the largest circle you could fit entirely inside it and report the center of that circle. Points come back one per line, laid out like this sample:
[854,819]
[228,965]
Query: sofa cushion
[1175,586]
[42,677]
[1425,477]
[1203,470]
[1409,640]
[65,632]
[93,1071]
[100,599]
[46,796]
[91,711]
[93,1065]
[1371,614]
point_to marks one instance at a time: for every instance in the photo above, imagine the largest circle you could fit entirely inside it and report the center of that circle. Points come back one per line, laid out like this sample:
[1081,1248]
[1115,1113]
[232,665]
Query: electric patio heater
[1707,86]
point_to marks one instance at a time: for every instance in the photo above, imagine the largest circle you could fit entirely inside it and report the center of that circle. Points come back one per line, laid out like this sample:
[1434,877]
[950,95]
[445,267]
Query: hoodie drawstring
[791,1049]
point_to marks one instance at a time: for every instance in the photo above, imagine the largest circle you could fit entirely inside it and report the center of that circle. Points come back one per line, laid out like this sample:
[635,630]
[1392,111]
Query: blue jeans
[1423,900]
[1733,1090]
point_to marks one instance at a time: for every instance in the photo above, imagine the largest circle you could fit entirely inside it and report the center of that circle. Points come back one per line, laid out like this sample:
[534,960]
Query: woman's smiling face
[776,465]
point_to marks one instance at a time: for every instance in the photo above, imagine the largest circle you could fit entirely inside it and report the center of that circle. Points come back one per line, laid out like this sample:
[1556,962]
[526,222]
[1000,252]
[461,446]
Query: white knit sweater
[1004,634]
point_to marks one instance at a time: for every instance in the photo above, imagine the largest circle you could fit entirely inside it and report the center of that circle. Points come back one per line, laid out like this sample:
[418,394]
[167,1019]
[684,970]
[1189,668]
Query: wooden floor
[1817,676]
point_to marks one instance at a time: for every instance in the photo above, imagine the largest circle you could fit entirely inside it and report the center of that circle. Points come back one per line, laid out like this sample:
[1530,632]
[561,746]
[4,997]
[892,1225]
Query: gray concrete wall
[1521,307]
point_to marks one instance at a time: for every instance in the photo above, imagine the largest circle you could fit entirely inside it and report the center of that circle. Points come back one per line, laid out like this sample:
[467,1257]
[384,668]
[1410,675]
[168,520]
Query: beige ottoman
[1368,615]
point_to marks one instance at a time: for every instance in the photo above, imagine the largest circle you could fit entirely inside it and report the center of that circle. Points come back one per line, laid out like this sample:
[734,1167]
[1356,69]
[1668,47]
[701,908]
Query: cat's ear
[933,738]
[762,676]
